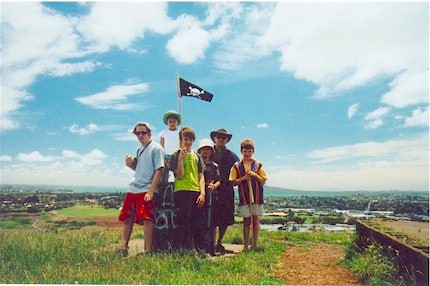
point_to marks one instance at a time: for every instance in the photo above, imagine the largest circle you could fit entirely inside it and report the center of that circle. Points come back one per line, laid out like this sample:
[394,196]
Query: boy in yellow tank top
[189,194]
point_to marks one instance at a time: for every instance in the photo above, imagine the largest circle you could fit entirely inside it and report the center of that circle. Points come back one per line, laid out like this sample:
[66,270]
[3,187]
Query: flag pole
[178,88]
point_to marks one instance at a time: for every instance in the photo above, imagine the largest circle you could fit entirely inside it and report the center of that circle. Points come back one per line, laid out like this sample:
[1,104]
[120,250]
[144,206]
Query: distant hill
[268,191]
[284,192]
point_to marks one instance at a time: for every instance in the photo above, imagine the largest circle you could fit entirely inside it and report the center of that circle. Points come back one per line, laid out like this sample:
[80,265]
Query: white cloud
[392,164]
[243,39]
[95,157]
[69,69]
[115,97]
[336,45]
[419,117]
[39,41]
[35,41]
[370,178]
[374,124]
[34,156]
[91,128]
[119,24]
[70,154]
[190,43]
[262,125]
[5,158]
[408,88]
[395,150]
[375,117]
[352,110]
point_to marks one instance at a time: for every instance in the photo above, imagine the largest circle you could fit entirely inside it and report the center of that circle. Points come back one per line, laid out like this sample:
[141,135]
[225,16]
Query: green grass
[373,268]
[87,212]
[16,222]
[83,256]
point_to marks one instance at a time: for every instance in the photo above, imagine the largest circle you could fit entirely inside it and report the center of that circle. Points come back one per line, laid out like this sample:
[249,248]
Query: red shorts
[135,206]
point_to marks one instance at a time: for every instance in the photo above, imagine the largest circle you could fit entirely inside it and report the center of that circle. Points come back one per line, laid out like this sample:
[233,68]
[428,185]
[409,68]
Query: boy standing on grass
[189,194]
[138,202]
[224,206]
[212,183]
[250,176]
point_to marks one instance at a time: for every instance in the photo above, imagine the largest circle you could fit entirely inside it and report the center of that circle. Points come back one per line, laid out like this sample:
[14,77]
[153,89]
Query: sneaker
[124,252]
[220,248]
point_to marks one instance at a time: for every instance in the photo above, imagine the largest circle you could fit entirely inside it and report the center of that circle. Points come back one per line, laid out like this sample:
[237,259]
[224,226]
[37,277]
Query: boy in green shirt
[189,195]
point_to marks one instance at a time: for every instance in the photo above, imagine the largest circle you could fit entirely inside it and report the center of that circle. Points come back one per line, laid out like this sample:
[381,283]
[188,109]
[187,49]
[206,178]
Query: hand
[148,197]
[211,187]
[200,200]
[129,161]
[250,174]
[182,153]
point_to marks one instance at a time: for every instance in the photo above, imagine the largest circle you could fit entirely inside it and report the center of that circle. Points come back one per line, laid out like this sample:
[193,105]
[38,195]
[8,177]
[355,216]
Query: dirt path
[315,264]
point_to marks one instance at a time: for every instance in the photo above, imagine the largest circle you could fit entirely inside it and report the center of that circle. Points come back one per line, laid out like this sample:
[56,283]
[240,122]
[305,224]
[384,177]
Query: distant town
[346,208]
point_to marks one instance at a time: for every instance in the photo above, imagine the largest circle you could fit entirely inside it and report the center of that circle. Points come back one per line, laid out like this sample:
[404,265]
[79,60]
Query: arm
[234,179]
[162,141]
[261,176]
[157,176]
[179,172]
[257,176]
[201,198]
[213,186]
[239,181]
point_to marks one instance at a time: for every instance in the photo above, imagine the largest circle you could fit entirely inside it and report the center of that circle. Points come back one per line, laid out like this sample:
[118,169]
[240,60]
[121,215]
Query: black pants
[191,220]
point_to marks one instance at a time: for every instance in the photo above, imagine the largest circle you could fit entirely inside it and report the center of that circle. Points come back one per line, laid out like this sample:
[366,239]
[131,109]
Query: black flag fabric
[189,89]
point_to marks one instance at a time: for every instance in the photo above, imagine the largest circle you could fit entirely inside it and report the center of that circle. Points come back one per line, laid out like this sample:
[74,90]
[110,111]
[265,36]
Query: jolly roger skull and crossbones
[195,92]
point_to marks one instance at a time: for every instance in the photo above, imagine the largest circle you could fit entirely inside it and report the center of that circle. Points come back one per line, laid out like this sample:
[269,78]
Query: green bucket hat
[171,113]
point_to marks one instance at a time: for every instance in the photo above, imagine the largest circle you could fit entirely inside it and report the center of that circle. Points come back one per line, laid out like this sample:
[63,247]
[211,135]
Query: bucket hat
[171,113]
[205,143]
[221,132]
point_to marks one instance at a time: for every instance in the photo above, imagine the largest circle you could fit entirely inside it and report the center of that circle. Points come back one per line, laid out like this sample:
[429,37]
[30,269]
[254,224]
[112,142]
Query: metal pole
[179,98]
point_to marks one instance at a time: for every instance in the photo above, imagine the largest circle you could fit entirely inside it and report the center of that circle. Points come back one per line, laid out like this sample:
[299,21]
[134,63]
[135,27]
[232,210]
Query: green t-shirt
[193,165]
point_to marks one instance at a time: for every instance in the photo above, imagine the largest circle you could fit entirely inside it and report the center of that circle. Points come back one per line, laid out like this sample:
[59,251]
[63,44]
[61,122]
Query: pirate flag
[189,89]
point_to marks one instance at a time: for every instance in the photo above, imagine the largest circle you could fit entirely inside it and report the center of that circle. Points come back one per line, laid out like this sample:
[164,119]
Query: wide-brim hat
[205,143]
[221,132]
[171,113]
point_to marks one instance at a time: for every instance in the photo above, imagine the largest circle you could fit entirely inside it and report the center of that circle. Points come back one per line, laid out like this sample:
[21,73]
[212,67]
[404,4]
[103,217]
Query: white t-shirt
[171,141]
[149,159]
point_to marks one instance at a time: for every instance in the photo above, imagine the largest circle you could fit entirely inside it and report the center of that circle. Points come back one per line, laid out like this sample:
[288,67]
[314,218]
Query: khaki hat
[171,113]
[205,143]
[221,132]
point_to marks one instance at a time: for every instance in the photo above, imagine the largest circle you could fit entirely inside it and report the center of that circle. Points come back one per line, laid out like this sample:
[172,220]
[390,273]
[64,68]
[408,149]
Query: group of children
[203,187]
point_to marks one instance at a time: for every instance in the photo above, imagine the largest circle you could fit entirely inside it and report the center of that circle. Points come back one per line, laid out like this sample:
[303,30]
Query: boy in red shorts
[138,201]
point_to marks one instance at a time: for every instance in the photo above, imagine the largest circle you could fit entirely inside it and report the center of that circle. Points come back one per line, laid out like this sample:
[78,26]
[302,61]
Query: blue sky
[334,95]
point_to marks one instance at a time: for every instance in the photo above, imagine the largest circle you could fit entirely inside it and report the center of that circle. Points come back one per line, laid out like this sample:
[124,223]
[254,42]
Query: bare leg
[255,231]
[246,229]
[147,232]
[127,228]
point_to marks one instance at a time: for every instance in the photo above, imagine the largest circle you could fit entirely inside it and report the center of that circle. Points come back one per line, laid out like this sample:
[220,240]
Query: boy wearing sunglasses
[138,202]
[224,206]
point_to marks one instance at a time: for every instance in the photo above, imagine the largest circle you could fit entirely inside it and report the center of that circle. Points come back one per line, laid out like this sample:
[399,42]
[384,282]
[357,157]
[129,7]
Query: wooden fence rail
[412,262]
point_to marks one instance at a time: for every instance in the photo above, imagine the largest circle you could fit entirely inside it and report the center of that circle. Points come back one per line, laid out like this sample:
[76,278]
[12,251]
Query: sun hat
[171,113]
[142,123]
[221,132]
[205,143]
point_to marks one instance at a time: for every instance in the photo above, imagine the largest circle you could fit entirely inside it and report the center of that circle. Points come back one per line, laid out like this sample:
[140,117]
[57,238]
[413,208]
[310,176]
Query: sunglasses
[221,137]
[137,133]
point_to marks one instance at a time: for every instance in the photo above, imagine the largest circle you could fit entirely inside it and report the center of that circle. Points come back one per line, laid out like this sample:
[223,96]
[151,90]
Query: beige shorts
[254,209]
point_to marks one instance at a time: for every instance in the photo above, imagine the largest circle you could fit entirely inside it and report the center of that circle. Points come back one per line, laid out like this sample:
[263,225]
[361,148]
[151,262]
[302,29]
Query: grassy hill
[86,256]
